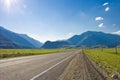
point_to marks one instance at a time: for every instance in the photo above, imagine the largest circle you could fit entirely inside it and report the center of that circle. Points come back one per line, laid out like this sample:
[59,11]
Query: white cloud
[117,32]
[107,9]
[70,33]
[105,4]
[99,18]
[101,25]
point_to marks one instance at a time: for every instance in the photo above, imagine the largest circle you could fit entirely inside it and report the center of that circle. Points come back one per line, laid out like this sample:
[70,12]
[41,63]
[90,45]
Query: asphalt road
[41,67]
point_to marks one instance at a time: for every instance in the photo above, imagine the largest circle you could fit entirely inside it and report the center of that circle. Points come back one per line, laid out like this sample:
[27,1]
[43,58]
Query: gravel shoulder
[83,68]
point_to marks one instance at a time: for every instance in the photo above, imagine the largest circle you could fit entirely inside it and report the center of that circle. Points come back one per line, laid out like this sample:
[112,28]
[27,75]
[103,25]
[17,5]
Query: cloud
[70,33]
[101,25]
[107,9]
[99,18]
[117,32]
[105,4]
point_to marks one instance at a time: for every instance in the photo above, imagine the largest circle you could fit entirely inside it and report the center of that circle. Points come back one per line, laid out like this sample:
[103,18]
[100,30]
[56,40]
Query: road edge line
[33,78]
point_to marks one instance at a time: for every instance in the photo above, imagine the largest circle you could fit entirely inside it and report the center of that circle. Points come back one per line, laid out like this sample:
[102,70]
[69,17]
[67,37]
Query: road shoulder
[83,68]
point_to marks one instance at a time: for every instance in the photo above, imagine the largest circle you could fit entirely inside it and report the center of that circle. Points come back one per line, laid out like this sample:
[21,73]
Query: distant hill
[14,40]
[56,44]
[93,38]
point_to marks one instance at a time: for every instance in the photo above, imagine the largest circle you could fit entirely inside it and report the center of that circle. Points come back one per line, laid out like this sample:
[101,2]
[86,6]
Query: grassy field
[9,53]
[107,59]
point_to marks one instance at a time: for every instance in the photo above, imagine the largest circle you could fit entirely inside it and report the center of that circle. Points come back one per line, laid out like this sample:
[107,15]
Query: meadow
[10,53]
[108,59]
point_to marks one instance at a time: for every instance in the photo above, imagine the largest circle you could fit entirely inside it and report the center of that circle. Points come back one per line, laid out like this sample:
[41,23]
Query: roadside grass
[10,53]
[107,59]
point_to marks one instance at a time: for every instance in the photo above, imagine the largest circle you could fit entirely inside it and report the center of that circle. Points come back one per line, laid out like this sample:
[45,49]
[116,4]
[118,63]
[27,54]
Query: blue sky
[59,19]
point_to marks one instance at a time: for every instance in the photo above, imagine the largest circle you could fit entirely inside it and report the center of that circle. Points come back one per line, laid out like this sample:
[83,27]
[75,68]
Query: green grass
[9,53]
[107,59]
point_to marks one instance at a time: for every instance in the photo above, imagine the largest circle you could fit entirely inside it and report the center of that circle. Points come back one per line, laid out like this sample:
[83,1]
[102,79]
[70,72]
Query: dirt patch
[69,72]
[83,68]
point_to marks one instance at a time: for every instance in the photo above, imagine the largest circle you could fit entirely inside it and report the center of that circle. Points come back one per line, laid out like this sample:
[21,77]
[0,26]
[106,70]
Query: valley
[91,55]
[59,39]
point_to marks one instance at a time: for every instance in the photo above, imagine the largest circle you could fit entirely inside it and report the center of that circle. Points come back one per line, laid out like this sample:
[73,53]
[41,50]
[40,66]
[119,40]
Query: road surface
[75,65]
[41,67]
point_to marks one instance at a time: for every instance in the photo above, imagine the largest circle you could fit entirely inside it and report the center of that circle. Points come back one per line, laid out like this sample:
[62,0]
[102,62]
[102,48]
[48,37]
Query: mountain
[56,44]
[93,38]
[9,39]
[34,42]
[88,39]
[16,40]
[6,43]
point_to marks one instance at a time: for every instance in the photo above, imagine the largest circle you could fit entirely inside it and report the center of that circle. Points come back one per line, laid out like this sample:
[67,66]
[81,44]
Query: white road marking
[50,68]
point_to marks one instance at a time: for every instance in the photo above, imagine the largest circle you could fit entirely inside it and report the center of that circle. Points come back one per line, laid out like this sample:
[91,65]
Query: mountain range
[55,44]
[87,39]
[9,39]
